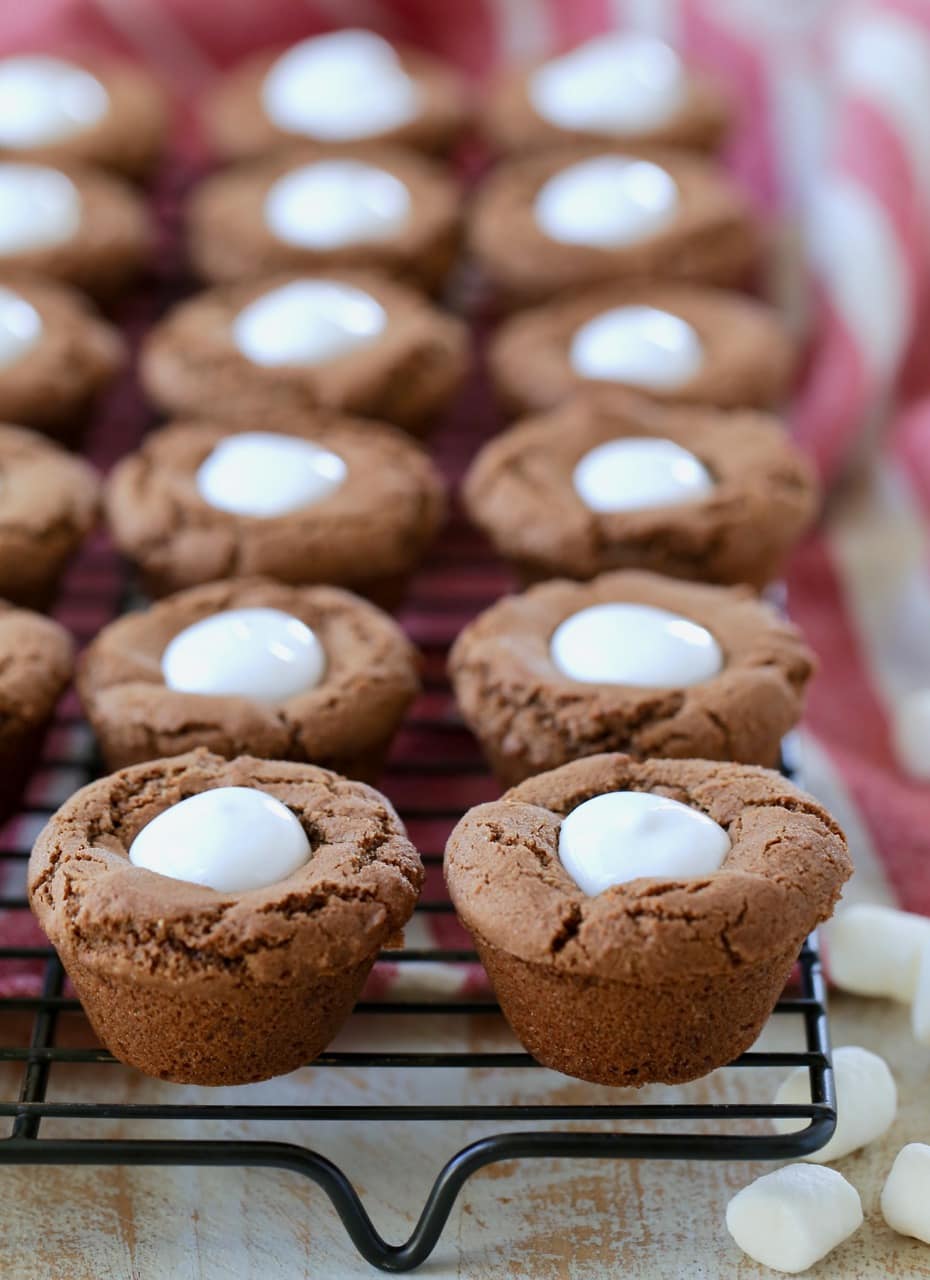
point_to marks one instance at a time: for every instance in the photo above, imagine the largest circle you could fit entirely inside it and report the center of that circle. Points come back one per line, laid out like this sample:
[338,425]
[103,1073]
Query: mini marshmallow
[790,1219]
[265,474]
[637,472]
[606,201]
[910,733]
[634,644]
[906,1193]
[920,1007]
[641,346]
[866,1102]
[307,322]
[336,202]
[20,327]
[875,950]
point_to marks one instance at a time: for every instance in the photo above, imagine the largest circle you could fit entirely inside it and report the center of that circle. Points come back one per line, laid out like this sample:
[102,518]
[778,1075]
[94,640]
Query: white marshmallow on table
[45,100]
[333,203]
[39,207]
[264,474]
[866,1102]
[619,83]
[641,346]
[635,644]
[265,654]
[606,202]
[635,473]
[906,1193]
[790,1219]
[622,835]
[20,327]
[910,733]
[307,322]
[230,838]
[874,950]
[920,1005]
[337,87]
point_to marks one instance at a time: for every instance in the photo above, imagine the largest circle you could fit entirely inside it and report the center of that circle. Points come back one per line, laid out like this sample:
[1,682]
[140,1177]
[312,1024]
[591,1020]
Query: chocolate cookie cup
[74,224]
[345,720]
[400,360]
[610,480]
[656,979]
[331,90]
[619,87]
[49,501]
[374,503]
[99,111]
[308,208]
[36,662]
[679,344]
[563,220]
[202,986]
[529,714]
[59,354]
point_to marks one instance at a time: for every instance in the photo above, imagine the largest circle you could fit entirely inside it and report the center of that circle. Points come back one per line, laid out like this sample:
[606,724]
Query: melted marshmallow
[264,654]
[231,839]
[45,100]
[641,346]
[336,202]
[606,202]
[639,472]
[20,327]
[337,87]
[617,84]
[39,207]
[634,644]
[263,474]
[623,835]
[308,322]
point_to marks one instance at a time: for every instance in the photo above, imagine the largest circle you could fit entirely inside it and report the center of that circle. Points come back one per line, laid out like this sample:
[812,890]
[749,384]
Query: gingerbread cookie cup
[96,111]
[308,208]
[741,691]
[344,88]
[203,986]
[374,347]
[610,480]
[36,661]
[49,501]
[574,217]
[675,343]
[344,721]
[653,979]
[367,521]
[60,355]
[74,224]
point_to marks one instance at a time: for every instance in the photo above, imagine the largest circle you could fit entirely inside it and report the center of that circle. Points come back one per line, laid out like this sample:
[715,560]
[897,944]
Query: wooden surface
[541,1221]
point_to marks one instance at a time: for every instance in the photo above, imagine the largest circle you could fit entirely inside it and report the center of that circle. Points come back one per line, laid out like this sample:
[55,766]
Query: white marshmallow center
[789,1219]
[615,84]
[20,327]
[606,202]
[45,100]
[623,835]
[334,203]
[635,644]
[641,346]
[39,207]
[263,474]
[231,839]
[349,84]
[906,1193]
[866,1101]
[639,472]
[308,322]
[264,654]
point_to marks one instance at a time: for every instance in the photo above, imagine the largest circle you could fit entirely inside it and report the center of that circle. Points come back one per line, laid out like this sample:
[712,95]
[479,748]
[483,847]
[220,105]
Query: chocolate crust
[49,501]
[713,237]
[653,979]
[519,491]
[229,239]
[368,535]
[236,125]
[190,984]
[190,365]
[749,359]
[345,723]
[529,717]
